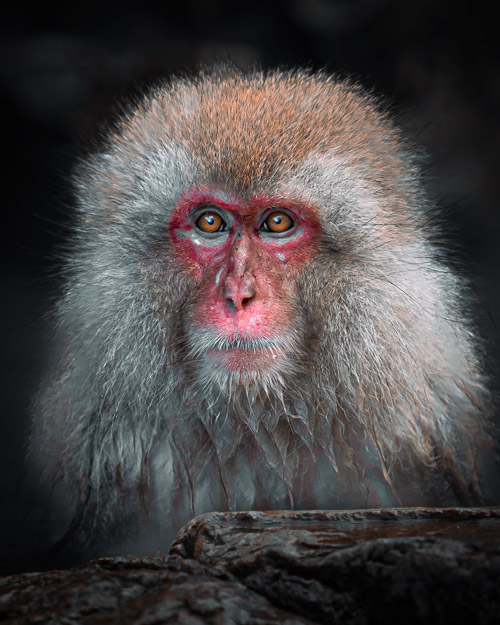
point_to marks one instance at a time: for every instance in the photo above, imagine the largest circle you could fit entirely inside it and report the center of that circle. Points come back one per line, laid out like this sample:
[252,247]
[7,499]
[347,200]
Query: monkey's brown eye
[210,222]
[278,221]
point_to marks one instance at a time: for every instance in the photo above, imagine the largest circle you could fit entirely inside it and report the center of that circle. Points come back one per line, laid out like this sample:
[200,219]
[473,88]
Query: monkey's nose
[239,293]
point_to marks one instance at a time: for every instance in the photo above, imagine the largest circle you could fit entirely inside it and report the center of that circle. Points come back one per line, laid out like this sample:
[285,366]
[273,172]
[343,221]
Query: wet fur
[381,400]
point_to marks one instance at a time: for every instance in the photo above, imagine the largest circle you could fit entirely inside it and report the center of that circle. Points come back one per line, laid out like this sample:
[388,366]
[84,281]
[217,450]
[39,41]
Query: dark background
[64,69]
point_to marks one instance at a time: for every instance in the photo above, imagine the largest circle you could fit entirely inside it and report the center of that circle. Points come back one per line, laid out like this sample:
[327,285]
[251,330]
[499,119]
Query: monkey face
[243,256]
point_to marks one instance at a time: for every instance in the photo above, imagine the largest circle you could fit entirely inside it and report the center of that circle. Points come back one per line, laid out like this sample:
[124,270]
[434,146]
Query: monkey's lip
[244,358]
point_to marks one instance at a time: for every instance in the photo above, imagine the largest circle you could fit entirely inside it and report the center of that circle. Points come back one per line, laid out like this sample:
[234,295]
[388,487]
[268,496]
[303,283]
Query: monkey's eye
[277,221]
[210,222]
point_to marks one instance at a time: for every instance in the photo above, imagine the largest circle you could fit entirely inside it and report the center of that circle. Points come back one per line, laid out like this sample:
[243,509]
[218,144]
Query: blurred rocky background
[65,70]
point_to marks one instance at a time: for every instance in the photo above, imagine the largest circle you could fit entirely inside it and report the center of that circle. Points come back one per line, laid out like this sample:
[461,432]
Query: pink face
[244,257]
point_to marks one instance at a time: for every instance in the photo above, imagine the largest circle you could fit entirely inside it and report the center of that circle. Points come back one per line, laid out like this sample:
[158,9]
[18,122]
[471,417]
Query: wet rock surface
[406,565]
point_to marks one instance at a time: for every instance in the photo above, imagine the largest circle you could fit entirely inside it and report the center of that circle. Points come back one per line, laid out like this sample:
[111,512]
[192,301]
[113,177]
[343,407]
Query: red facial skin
[245,277]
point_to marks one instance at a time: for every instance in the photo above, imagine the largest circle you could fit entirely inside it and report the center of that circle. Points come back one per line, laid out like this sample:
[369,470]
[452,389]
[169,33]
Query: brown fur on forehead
[246,129]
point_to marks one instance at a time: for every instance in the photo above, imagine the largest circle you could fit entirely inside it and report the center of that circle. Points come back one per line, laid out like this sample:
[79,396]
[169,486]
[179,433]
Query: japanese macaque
[255,318]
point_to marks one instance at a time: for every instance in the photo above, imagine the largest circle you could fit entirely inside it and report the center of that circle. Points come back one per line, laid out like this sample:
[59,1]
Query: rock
[404,566]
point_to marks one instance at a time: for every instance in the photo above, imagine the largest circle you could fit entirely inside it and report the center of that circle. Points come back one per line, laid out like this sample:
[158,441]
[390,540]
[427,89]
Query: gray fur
[380,400]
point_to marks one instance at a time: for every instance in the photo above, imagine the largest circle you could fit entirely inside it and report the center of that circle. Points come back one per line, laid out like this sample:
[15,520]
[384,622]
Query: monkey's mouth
[244,357]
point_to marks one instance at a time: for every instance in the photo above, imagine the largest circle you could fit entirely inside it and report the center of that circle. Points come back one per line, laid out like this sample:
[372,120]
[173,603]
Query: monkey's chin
[248,362]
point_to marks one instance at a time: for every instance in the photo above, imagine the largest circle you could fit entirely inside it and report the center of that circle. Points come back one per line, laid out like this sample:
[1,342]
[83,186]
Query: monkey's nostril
[234,303]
